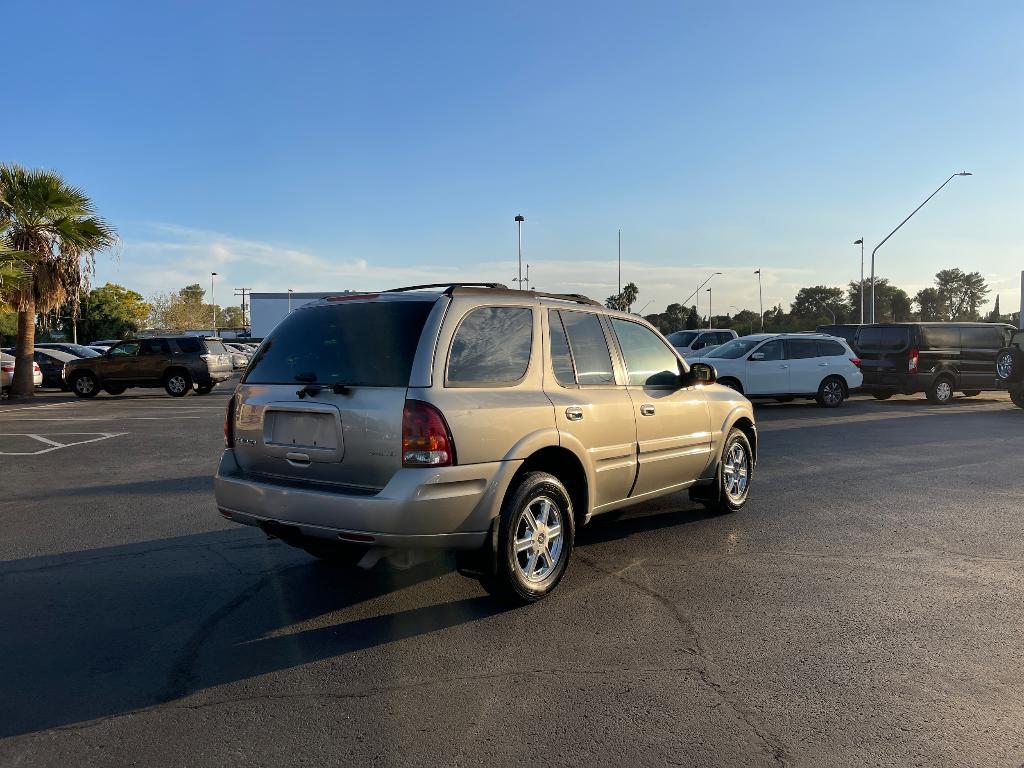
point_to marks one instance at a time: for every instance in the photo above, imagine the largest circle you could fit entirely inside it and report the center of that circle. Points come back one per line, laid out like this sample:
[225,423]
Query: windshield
[367,343]
[734,349]
[681,338]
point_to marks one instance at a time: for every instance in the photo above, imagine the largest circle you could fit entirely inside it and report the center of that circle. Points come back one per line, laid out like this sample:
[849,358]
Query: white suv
[784,366]
[699,342]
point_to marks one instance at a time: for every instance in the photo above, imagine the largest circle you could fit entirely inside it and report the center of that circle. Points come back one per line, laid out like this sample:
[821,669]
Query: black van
[936,358]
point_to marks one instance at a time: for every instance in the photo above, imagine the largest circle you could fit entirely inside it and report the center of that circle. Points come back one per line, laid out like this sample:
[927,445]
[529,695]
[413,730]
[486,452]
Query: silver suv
[490,421]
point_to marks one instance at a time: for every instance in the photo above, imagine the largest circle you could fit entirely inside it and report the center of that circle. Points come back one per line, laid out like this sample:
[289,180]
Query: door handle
[783,366]
[823,365]
[574,414]
[646,410]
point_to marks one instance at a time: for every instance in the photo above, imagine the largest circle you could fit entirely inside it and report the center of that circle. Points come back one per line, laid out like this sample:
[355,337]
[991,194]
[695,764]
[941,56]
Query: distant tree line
[955,295]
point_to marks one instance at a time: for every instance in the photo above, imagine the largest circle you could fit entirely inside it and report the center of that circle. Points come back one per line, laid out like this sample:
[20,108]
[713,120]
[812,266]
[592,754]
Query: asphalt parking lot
[864,609]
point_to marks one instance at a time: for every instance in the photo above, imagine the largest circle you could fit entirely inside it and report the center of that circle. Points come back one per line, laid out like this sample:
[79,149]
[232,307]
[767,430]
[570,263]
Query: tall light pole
[620,263]
[713,274]
[933,194]
[519,225]
[760,297]
[829,309]
[213,300]
[709,308]
[289,301]
[861,244]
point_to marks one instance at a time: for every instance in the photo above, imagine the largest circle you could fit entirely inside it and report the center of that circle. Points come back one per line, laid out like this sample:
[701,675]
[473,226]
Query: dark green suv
[1010,368]
[176,363]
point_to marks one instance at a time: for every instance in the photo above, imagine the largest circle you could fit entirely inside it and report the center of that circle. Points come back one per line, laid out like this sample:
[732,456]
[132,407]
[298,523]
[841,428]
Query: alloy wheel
[84,384]
[538,539]
[177,384]
[943,391]
[736,471]
[832,392]
[1004,366]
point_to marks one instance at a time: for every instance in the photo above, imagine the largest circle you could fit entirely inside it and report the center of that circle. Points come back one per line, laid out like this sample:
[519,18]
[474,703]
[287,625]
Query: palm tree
[42,215]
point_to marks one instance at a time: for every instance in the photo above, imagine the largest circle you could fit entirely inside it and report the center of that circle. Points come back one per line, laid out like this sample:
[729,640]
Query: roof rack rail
[578,298]
[447,286]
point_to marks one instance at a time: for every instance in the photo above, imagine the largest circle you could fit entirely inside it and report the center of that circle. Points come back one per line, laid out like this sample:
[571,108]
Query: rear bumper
[449,507]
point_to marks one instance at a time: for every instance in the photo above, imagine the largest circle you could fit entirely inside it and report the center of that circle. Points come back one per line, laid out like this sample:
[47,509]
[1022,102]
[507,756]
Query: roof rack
[451,289]
[447,286]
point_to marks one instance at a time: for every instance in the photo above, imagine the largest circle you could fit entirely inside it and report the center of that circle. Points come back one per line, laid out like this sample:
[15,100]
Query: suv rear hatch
[885,354]
[217,357]
[322,401]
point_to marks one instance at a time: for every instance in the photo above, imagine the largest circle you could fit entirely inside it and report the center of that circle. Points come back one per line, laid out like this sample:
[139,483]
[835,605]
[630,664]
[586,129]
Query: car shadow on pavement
[103,632]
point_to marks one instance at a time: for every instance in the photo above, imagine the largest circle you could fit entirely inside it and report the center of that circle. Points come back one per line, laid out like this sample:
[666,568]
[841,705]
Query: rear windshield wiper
[312,390]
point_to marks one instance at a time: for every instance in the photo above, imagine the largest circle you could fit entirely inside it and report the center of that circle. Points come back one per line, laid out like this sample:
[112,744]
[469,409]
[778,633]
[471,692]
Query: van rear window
[884,339]
[358,343]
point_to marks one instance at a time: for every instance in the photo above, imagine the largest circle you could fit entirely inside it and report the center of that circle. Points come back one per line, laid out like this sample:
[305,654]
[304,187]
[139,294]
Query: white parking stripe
[54,445]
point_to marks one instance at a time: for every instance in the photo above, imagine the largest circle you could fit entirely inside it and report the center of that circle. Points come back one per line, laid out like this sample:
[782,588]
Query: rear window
[491,347]
[884,339]
[681,338]
[189,345]
[802,349]
[830,349]
[215,347]
[358,343]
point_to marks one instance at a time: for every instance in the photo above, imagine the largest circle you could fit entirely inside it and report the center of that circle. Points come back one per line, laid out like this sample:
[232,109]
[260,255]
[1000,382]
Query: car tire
[940,392]
[1017,396]
[784,399]
[881,395]
[84,384]
[731,488]
[531,557]
[205,389]
[177,383]
[732,384]
[1009,364]
[115,390]
[831,392]
[972,392]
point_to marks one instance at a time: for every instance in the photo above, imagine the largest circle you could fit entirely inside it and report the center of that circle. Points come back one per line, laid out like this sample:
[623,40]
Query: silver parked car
[478,418]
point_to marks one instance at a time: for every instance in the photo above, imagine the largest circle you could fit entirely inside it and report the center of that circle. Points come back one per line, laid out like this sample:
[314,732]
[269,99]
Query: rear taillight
[855,361]
[426,441]
[229,423]
[912,361]
[7,369]
[36,368]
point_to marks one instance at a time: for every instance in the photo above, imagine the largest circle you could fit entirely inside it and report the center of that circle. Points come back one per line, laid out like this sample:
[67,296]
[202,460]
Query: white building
[268,309]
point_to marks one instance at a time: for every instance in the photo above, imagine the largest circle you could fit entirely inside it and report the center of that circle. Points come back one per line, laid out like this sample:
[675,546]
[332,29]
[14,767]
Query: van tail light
[912,362]
[229,423]
[7,369]
[36,368]
[855,361]
[426,439]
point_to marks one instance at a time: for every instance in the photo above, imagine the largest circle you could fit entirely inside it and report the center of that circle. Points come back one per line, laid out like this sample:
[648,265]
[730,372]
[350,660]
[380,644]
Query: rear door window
[772,350]
[649,362]
[895,339]
[561,356]
[491,347]
[830,349]
[870,338]
[155,347]
[125,349]
[368,343]
[589,348]
[802,349]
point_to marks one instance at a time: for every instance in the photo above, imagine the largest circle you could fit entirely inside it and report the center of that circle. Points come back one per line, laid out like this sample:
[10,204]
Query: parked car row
[7,372]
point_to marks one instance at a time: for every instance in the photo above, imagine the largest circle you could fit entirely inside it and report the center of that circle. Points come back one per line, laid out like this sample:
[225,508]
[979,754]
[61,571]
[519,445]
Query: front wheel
[110,390]
[735,471]
[1010,364]
[972,392]
[177,383]
[831,392]
[881,395]
[85,385]
[1017,396]
[941,391]
[535,538]
[205,389]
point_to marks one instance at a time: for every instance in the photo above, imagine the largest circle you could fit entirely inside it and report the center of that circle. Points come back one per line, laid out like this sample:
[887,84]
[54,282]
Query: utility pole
[760,297]
[861,244]
[620,263]
[213,301]
[519,226]
[709,308]
[244,293]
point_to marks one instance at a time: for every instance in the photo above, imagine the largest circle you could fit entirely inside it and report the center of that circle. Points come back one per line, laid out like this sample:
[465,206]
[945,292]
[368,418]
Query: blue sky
[326,146]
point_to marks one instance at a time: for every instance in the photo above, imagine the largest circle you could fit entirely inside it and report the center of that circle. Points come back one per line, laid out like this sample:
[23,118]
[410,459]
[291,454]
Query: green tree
[962,293]
[43,215]
[811,306]
[692,319]
[995,317]
[229,317]
[112,311]
[892,304]
[930,305]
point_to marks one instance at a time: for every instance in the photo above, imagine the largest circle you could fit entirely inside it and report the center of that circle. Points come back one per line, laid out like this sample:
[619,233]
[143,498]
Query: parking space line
[55,445]
[103,418]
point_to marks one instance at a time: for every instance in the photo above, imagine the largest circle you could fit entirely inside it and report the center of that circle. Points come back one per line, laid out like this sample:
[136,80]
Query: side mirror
[757,356]
[703,373]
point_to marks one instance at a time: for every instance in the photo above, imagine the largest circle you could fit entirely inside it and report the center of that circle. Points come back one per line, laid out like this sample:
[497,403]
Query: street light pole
[861,244]
[620,263]
[519,226]
[828,309]
[289,301]
[213,300]
[709,308]
[760,297]
[933,194]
